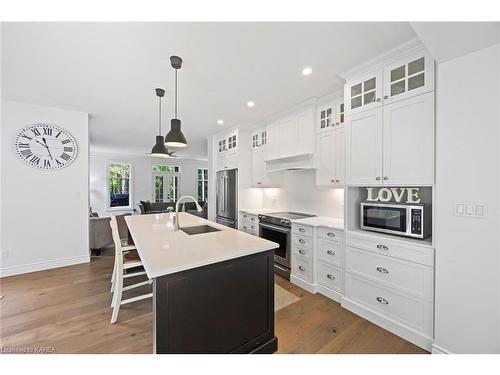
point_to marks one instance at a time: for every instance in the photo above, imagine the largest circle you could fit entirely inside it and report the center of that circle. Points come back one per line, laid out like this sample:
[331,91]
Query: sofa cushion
[146,205]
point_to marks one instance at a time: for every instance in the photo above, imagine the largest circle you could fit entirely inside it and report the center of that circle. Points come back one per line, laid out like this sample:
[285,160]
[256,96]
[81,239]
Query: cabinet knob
[330,234]
[382,270]
[377,178]
[332,180]
[330,252]
[383,301]
[302,268]
[302,252]
[378,99]
[382,247]
[386,178]
[386,97]
[258,183]
[302,241]
[302,230]
[330,276]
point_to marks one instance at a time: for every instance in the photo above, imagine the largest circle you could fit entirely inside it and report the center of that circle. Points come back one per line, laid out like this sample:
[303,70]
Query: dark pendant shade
[159,148]
[174,137]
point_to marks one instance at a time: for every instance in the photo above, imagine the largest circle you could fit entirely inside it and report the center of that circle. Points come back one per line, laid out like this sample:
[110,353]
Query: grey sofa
[147,207]
[100,231]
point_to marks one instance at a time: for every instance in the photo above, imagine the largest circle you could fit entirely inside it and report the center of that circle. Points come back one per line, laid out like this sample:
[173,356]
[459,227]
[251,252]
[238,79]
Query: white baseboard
[436,349]
[40,266]
[330,293]
[303,284]
[397,328]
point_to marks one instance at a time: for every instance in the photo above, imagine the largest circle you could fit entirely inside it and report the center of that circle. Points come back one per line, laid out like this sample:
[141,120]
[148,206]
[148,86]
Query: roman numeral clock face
[46,146]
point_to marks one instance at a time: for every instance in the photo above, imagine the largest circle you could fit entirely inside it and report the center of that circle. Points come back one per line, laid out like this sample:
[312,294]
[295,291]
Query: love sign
[396,194]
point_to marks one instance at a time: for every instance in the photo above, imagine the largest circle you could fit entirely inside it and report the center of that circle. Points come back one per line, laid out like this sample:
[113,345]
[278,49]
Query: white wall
[44,217]
[467,300]
[141,177]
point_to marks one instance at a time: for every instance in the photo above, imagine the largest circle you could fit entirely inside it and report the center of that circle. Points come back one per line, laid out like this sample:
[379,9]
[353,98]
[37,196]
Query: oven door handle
[275,227]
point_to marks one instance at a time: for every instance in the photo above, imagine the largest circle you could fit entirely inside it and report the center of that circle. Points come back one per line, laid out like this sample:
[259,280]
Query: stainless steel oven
[409,220]
[282,236]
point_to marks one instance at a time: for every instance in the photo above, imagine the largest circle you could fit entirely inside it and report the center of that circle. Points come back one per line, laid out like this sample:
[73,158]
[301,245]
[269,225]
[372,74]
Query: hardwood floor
[67,311]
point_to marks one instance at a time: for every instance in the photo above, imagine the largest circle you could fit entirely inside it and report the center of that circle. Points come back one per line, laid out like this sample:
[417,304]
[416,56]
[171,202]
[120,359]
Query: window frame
[130,206]
[155,173]
[202,181]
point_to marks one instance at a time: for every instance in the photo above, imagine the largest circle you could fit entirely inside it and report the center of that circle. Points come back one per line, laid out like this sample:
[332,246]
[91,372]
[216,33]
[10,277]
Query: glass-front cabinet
[408,77]
[325,117]
[228,142]
[259,138]
[364,93]
[339,113]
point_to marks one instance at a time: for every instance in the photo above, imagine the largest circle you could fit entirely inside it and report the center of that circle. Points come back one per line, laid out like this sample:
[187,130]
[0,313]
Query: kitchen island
[213,286]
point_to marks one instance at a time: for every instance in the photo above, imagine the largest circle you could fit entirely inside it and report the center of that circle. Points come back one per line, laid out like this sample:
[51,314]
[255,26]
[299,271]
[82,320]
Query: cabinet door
[288,137]
[222,161]
[258,168]
[409,141]
[339,158]
[364,148]
[364,94]
[305,133]
[325,117]
[339,113]
[409,77]
[325,164]
[273,141]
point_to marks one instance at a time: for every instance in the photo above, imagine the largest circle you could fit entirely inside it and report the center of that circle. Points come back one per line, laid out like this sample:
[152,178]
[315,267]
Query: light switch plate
[473,210]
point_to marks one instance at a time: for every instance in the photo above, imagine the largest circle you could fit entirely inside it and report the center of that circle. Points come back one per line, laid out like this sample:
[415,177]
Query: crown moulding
[410,47]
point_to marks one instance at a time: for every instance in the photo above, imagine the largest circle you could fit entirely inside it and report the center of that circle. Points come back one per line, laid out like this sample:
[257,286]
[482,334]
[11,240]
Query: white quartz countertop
[256,211]
[322,221]
[164,251]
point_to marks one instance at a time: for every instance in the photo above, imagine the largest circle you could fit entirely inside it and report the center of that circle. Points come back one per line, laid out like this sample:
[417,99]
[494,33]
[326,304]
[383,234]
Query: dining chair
[126,258]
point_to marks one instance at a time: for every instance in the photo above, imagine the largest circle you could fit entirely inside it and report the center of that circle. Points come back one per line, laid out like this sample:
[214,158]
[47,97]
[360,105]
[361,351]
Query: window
[202,184]
[119,185]
[166,183]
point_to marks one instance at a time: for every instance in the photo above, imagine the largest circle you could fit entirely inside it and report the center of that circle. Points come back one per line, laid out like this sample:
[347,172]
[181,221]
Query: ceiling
[110,70]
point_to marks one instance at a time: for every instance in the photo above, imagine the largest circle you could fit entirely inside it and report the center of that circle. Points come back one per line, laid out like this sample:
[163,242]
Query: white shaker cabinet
[407,77]
[260,178]
[364,147]
[330,158]
[273,140]
[339,157]
[409,141]
[363,93]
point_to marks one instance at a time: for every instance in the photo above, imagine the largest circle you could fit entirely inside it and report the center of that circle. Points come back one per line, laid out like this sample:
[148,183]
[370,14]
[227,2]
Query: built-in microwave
[410,220]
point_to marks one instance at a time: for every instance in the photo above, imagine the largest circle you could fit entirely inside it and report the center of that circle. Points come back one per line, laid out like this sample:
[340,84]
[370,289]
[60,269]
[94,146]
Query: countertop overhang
[165,251]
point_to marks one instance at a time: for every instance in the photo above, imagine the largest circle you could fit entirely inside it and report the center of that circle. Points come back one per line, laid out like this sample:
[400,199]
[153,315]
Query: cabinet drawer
[302,241]
[393,248]
[330,276]
[301,251]
[331,252]
[331,234]
[252,219]
[303,230]
[302,269]
[407,277]
[409,311]
[253,227]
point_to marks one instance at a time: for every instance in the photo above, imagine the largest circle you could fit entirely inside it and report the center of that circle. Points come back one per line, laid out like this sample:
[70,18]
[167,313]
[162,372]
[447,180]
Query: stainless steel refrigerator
[227,198]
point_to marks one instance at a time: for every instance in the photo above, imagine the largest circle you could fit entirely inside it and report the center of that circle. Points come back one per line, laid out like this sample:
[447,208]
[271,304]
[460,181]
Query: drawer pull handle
[253,227]
[302,268]
[383,301]
[330,234]
[330,252]
[382,270]
[302,241]
[302,230]
[382,247]
[330,276]
[302,252]
[244,227]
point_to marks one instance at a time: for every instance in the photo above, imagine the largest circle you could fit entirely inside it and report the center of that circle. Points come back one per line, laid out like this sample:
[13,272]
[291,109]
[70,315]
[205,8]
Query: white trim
[398,329]
[40,266]
[410,47]
[130,206]
[436,349]
[330,293]
[303,284]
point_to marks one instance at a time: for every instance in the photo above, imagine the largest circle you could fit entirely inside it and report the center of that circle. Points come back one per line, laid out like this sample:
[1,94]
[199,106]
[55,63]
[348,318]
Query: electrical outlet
[478,211]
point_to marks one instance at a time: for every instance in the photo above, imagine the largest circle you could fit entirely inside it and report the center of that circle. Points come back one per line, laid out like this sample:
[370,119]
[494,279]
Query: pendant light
[159,148]
[175,138]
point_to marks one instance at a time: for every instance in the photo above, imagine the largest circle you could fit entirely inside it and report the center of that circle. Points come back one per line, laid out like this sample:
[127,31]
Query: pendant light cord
[175,93]
[159,115]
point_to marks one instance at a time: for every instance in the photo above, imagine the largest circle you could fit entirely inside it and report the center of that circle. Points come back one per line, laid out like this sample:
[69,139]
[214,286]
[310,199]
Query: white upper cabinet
[364,93]
[325,117]
[339,113]
[364,147]
[330,158]
[260,177]
[259,138]
[411,76]
[409,141]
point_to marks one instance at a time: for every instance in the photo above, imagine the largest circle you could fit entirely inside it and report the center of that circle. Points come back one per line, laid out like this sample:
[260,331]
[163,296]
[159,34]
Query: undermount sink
[199,229]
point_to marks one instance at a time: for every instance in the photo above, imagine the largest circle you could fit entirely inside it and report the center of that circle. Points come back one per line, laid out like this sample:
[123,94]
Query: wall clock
[46,146]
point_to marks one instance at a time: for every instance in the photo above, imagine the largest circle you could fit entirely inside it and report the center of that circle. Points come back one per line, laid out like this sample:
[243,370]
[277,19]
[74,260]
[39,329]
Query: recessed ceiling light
[250,104]
[220,122]
[306,71]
